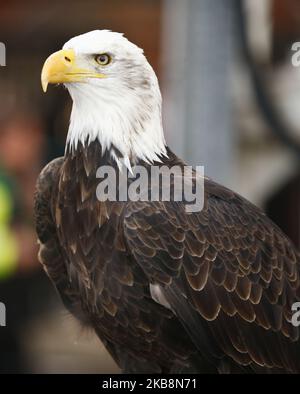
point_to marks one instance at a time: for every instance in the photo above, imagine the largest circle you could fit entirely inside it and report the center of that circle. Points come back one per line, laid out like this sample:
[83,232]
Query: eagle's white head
[115,92]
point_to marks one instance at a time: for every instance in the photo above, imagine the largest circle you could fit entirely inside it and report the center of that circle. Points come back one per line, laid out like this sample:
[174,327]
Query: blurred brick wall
[286,26]
[42,26]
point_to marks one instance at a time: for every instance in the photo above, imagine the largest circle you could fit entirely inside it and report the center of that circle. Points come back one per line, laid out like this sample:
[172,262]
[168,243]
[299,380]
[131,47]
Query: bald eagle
[166,291]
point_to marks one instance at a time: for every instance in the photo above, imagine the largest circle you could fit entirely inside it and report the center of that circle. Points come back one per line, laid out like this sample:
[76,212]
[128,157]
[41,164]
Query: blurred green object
[5,204]
[8,243]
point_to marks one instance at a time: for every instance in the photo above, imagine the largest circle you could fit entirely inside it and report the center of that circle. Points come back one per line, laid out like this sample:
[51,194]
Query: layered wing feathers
[232,265]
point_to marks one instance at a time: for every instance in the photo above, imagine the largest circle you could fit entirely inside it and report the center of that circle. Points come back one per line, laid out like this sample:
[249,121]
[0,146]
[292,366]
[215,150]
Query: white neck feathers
[126,121]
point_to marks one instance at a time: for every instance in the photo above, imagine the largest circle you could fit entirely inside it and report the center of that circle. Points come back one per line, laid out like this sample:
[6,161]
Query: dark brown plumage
[228,274]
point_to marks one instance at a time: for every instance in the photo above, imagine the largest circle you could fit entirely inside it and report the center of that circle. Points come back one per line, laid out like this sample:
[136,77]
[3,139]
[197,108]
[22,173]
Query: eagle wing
[51,254]
[228,273]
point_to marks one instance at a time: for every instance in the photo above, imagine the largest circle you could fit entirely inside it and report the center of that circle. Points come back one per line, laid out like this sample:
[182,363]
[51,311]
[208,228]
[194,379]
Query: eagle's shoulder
[49,174]
[44,191]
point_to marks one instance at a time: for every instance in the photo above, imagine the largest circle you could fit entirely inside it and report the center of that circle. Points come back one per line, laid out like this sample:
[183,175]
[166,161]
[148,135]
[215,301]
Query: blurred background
[231,103]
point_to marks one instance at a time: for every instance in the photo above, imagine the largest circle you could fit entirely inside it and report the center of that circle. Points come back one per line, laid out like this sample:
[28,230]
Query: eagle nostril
[67,59]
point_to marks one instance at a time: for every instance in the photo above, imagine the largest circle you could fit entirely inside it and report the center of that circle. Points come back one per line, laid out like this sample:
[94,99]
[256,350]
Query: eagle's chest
[91,236]
[103,276]
[105,280]
[90,231]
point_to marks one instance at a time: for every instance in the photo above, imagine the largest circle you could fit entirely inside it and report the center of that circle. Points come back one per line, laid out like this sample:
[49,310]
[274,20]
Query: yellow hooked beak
[61,67]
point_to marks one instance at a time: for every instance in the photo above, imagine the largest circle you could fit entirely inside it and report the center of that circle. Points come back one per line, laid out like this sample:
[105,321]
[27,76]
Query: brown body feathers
[229,276]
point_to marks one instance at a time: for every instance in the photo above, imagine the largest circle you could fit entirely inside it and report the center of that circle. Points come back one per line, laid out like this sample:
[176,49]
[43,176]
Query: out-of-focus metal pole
[198,54]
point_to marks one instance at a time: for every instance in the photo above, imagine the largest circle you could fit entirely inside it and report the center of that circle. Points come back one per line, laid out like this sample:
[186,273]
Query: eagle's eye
[104,59]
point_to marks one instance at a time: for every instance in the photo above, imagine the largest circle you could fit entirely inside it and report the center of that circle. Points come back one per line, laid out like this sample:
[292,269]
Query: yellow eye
[104,59]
